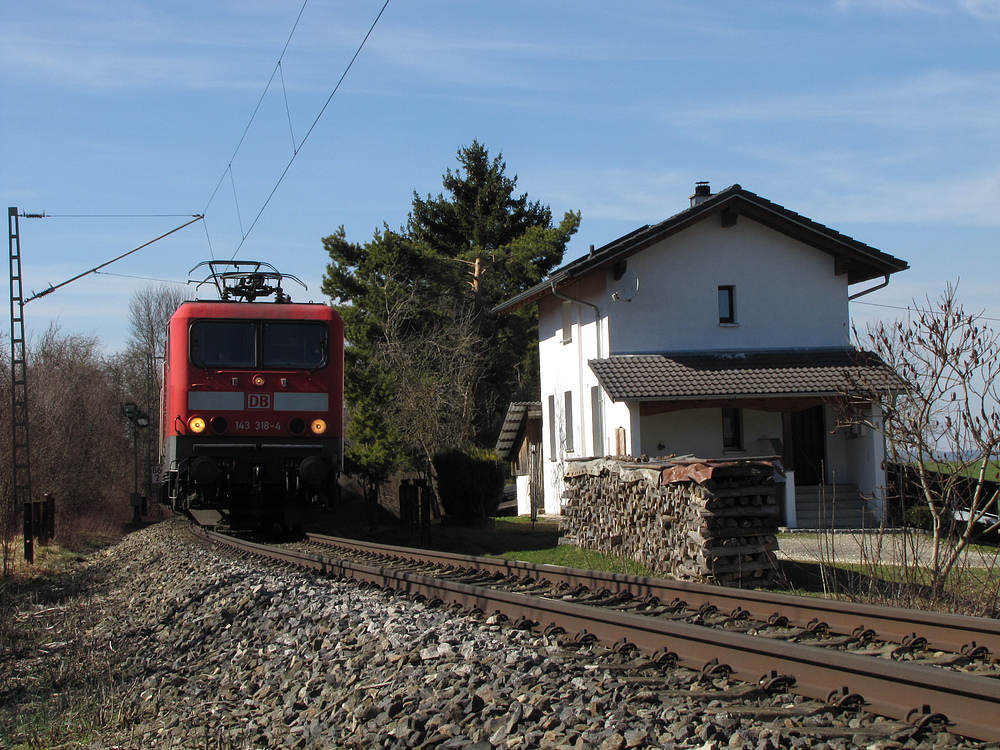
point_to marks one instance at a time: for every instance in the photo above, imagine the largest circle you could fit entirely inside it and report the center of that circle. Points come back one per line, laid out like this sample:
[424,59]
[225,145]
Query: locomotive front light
[318,426]
[197,425]
[258,380]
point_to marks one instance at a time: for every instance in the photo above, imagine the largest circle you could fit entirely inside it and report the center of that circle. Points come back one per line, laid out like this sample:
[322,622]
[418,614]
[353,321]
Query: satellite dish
[628,286]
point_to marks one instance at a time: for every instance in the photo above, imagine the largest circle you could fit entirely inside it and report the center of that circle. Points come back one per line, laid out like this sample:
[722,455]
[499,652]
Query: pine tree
[416,306]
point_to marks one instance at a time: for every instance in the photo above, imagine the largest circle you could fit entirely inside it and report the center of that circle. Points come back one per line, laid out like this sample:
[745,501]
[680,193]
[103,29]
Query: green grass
[574,557]
[514,538]
[888,576]
[992,471]
[511,538]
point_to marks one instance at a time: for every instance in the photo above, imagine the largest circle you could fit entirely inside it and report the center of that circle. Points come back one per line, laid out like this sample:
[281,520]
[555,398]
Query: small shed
[520,444]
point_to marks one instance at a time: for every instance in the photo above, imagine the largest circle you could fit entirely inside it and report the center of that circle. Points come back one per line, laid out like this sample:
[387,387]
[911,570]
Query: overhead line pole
[21,464]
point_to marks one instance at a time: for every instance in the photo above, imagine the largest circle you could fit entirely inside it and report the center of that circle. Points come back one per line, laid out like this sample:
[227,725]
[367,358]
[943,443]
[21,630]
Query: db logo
[258,400]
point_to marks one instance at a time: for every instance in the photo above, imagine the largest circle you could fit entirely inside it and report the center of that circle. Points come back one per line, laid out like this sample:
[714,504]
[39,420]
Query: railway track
[927,669]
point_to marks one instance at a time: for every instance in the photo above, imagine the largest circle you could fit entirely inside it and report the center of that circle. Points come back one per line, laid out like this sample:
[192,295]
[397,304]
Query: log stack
[701,520]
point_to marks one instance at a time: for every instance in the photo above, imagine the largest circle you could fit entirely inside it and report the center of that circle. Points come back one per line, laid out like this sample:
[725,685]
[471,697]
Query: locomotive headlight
[258,380]
[197,425]
[318,426]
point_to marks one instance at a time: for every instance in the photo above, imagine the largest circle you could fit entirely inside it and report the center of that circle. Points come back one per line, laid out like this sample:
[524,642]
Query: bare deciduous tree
[80,444]
[943,427]
[137,370]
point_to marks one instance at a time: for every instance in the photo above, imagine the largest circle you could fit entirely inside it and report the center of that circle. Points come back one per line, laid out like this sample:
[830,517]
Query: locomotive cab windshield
[248,344]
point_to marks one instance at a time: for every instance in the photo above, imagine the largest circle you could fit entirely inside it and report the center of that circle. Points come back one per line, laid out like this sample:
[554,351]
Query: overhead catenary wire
[260,101]
[296,147]
[197,217]
[44,215]
[142,278]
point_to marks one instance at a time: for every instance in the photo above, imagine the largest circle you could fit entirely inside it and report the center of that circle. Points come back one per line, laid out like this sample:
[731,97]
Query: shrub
[470,482]
[919,517]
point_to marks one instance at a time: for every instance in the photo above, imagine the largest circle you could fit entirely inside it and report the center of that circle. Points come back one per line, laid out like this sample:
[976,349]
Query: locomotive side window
[223,343]
[298,345]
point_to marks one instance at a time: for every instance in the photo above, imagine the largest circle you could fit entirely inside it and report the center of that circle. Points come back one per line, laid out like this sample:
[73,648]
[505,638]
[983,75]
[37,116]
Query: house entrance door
[808,446]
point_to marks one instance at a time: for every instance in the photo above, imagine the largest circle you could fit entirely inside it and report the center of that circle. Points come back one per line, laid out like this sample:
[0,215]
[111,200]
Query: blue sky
[878,118]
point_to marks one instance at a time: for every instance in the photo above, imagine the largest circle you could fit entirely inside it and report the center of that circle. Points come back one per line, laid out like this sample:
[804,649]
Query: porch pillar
[788,462]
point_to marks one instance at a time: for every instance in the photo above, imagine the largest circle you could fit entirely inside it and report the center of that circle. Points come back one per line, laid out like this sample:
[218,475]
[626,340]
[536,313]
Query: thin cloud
[988,10]
[936,99]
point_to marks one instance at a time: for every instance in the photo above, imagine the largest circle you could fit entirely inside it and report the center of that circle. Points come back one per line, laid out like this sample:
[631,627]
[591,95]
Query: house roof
[517,412]
[733,375]
[859,261]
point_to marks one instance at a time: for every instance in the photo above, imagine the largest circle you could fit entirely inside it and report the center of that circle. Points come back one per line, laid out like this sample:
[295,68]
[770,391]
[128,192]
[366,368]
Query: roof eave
[859,261]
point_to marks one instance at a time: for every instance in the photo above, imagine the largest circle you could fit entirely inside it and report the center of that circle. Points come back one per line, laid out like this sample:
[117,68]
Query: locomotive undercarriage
[250,488]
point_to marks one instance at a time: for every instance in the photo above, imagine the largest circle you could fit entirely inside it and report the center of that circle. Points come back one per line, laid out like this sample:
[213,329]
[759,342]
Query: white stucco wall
[787,294]
[699,431]
[564,368]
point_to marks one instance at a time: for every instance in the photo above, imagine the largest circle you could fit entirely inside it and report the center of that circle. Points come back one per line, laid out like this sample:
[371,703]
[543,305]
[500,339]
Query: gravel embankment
[209,650]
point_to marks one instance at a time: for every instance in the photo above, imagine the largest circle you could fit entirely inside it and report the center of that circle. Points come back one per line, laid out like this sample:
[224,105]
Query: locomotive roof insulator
[246,280]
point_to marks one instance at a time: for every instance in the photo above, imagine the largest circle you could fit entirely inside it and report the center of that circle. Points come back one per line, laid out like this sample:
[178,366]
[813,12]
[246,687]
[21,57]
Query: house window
[567,322]
[598,422]
[732,429]
[727,305]
[568,396]
[552,428]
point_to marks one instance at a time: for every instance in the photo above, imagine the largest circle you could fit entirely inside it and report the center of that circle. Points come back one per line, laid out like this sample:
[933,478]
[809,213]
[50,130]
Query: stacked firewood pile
[703,520]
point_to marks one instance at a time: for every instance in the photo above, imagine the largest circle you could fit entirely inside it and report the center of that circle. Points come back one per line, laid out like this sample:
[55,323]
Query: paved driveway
[903,547]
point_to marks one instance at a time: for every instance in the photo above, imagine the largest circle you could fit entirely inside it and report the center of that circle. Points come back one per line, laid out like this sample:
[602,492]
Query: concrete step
[832,507]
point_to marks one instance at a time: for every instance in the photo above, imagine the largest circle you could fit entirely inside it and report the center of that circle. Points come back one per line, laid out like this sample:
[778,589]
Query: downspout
[597,324]
[875,288]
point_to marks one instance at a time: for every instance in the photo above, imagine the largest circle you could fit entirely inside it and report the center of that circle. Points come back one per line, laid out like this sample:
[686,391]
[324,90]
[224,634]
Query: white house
[720,332]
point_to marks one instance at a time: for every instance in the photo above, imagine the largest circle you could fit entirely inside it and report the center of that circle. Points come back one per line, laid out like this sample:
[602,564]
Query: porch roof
[701,376]
[513,424]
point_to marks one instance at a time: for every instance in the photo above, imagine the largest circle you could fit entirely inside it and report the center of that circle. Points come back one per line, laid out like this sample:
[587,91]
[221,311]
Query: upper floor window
[727,305]
[567,322]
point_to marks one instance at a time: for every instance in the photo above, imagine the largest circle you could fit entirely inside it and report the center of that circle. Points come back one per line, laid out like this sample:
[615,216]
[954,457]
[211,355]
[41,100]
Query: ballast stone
[209,649]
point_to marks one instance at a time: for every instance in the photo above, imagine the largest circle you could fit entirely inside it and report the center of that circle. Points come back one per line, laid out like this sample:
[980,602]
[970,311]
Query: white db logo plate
[259,400]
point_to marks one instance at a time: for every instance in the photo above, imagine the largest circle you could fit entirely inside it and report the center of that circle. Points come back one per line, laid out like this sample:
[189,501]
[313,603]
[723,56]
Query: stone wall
[700,520]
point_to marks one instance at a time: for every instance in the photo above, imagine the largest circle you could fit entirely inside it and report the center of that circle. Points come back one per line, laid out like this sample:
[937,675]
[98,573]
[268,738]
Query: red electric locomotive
[252,403]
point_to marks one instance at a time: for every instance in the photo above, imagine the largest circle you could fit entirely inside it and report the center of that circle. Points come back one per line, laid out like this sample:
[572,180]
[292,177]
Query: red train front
[252,406]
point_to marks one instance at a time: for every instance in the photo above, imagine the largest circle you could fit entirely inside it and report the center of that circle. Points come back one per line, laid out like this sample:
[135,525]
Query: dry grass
[54,691]
[897,568]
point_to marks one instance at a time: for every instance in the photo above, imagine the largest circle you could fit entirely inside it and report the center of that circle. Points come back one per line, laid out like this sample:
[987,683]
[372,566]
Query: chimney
[702,192]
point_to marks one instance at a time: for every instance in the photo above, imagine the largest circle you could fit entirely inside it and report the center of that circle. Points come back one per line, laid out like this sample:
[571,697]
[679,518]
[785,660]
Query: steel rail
[907,691]
[960,634]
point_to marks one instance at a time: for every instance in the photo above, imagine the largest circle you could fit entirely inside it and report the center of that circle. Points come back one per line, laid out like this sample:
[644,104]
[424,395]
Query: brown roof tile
[784,373]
